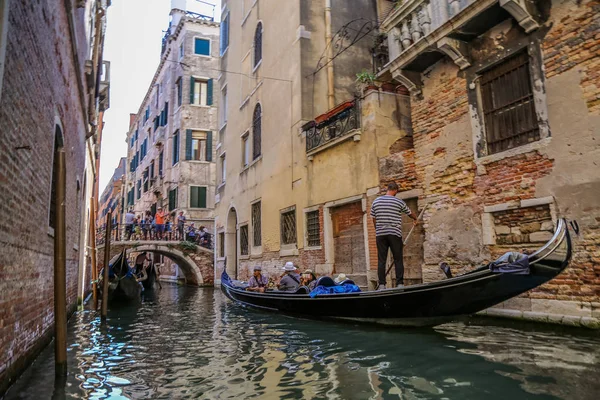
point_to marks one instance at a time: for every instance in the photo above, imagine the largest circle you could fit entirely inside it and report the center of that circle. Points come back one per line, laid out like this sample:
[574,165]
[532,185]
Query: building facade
[111,198]
[505,135]
[50,100]
[170,158]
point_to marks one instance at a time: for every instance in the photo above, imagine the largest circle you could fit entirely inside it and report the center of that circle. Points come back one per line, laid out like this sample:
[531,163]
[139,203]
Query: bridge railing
[151,232]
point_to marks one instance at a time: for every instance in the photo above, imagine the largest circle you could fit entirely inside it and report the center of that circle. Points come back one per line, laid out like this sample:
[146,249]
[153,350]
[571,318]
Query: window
[223,168]
[244,240]
[152,170]
[313,228]
[199,146]
[288,227]
[179,84]
[145,180]
[139,189]
[256,220]
[202,46]
[181,51]
[157,94]
[172,199]
[224,34]
[508,105]
[256,132]
[245,150]
[223,106]
[258,44]
[175,148]
[197,197]
[221,244]
[58,143]
[160,164]
[201,92]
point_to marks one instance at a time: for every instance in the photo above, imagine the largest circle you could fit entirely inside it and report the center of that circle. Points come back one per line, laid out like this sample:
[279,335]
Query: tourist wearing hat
[258,282]
[159,219]
[309,279]
[291,279]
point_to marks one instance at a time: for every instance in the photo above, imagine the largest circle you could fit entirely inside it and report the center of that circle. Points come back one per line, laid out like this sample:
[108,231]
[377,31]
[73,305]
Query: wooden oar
[407,236]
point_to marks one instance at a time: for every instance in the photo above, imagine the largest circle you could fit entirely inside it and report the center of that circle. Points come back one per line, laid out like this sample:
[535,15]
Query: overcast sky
[132,45]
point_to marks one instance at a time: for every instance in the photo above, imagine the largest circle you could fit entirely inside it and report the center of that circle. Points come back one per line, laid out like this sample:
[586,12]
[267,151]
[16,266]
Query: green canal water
[194,343]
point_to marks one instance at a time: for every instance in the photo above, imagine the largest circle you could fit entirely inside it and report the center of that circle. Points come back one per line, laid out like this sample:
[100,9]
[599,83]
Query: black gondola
[122,285]
[423,304]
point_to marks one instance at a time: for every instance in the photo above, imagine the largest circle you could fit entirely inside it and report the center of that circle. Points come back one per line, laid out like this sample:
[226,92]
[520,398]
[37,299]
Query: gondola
[151,279]
[422,304]
[123,287]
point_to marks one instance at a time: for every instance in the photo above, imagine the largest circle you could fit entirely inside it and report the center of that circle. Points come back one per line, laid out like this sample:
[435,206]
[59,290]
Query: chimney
[178,8]
[131,119]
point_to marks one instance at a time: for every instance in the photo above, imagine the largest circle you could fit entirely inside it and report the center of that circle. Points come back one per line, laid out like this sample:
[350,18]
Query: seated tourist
[290,281]
[308,279]
[258,282]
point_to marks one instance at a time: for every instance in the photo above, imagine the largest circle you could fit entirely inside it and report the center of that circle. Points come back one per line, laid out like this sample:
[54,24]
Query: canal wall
[41,109]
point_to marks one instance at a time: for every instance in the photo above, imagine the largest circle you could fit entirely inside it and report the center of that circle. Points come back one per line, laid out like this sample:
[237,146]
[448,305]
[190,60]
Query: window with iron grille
[508,105]
[244,240]
[256,229]
[258,44]
[288,227]
[221,244]
[256,132]
[313,228]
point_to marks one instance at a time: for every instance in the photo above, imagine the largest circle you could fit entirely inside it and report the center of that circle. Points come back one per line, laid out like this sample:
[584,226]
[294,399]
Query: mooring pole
[106,261]
[92,245]
[60,269]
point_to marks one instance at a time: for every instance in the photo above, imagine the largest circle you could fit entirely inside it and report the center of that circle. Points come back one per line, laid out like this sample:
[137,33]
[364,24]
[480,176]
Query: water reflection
[190,343]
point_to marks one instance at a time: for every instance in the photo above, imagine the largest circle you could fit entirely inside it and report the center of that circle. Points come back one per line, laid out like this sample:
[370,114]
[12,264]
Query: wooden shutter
[209,92]
[166,113]
[202,197]
[192,84]
[209,146]
[188,144]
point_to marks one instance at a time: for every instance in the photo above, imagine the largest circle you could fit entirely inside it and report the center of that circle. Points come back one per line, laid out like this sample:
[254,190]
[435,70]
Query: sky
[132,45]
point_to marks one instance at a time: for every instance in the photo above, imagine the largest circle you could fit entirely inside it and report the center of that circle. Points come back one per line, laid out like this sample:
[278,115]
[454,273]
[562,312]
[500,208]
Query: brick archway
[196,265]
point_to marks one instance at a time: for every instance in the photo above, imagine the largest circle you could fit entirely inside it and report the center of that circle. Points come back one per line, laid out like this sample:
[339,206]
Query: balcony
[104,89]
[421,32]
[337,125]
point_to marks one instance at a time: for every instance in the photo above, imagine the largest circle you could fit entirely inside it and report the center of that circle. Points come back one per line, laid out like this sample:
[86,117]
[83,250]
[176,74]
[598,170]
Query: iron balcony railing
[337,123]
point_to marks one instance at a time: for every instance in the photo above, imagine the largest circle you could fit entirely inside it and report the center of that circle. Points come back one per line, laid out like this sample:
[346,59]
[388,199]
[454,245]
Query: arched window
[256,132]
[258,44]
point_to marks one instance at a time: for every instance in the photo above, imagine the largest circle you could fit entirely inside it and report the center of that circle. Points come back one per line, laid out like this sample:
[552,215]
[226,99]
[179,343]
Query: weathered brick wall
[39,85]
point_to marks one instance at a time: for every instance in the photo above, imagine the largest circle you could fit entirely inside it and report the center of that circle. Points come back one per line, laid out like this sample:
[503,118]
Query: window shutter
[166,113]
[209,94]
[192,83]
[202,197]
[209,149]
[188,144]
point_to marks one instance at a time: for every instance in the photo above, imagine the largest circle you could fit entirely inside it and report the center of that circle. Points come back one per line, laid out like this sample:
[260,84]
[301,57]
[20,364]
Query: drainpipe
[330,87]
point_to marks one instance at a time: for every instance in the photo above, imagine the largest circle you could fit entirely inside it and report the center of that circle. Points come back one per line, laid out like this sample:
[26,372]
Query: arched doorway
[231,241]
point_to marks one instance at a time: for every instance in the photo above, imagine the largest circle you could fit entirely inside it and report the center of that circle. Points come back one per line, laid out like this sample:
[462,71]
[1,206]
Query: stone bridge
[196,262]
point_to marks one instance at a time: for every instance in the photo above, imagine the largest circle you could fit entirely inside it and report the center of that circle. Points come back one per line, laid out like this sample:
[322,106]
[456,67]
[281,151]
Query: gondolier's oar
[407,236]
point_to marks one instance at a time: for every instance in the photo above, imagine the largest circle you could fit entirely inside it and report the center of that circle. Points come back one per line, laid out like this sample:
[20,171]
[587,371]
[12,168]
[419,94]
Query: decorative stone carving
[518,9]
[424,19]
[405,36]
[410,79]
[456,49]
[417,33]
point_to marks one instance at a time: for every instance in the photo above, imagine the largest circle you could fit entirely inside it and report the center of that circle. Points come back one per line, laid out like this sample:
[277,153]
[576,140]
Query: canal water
[194,343]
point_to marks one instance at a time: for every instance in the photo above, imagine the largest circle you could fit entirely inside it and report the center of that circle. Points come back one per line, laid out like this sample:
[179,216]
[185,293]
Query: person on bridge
[180,225]
[129,217]
[159,219]
[258,282]
[290,281]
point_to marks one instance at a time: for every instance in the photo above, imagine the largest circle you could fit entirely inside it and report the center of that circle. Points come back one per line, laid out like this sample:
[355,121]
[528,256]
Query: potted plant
[366,81]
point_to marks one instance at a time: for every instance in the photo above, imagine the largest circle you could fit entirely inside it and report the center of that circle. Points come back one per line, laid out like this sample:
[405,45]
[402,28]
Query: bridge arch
[196,265]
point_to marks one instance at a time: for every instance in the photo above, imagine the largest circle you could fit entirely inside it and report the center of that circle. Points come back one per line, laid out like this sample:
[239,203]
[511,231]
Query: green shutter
[209,149]
[202,197]
[192,83]
[188,144]
[209,94]
[193,196]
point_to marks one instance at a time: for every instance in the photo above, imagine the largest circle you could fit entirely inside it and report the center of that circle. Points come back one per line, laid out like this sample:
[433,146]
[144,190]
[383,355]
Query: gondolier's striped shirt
[387,211]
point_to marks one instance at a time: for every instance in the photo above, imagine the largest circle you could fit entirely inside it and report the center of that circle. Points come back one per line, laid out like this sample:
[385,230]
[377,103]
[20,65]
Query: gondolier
[387,213]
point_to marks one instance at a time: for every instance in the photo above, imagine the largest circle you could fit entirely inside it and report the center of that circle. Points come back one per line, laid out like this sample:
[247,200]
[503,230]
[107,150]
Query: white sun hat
[289,266]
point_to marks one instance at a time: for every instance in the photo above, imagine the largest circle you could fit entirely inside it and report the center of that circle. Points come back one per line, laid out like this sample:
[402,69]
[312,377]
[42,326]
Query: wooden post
[106,261]
[92,245]
[60,269]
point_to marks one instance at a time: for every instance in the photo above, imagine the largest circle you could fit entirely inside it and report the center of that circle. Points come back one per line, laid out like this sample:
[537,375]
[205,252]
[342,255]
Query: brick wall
[39,85]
